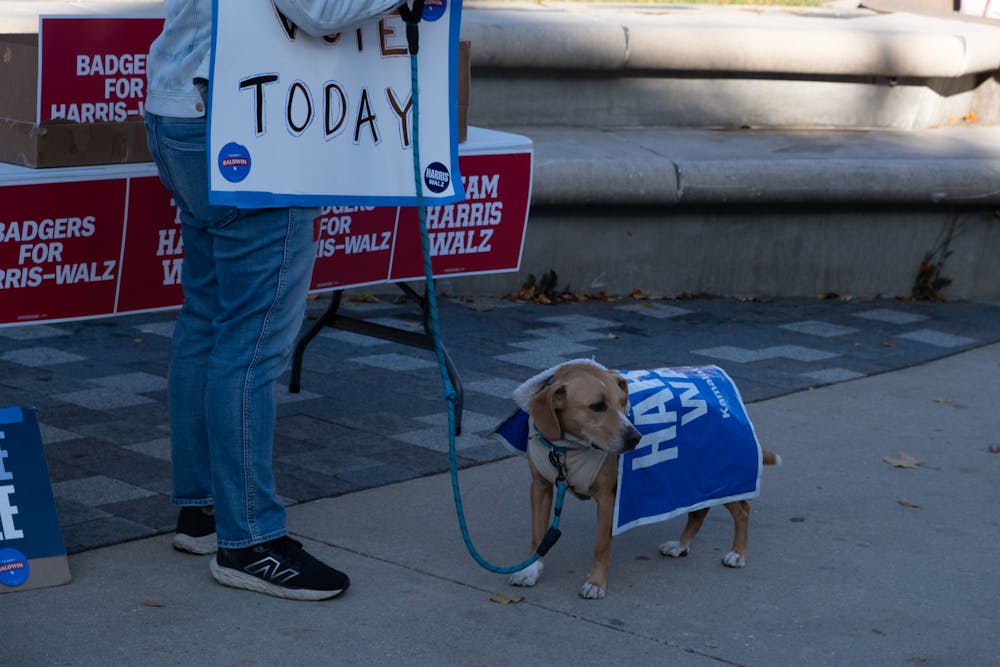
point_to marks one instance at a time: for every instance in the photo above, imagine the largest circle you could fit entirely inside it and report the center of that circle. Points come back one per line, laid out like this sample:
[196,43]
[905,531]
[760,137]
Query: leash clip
[556,459]
[411,17]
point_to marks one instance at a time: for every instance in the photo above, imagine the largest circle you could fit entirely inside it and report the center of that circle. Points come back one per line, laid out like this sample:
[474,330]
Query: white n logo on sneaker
[269,568]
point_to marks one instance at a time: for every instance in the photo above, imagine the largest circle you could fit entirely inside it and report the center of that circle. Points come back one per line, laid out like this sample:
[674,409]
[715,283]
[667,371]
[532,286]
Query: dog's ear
[622,382]
[543,410]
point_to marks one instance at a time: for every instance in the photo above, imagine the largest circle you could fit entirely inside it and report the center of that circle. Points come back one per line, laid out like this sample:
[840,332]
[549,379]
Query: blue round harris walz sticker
[14,569]
[234,162]
[437,178]
[434,9]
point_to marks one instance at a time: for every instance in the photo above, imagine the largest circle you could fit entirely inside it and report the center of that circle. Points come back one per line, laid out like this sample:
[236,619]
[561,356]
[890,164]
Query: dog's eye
[600,406]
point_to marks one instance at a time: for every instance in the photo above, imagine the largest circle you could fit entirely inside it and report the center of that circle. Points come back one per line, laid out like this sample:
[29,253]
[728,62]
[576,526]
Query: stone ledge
[953,166]
[817,42]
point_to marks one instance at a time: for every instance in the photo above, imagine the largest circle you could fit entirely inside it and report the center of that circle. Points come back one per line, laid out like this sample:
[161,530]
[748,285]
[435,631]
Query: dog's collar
[572,442]
[575,466]
[545,441]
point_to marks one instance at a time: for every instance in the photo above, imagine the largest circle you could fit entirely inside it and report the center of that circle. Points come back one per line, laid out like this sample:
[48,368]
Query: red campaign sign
[87,248]
[484,233]
[60,248]
[154,253]
[354,245]
[93,70]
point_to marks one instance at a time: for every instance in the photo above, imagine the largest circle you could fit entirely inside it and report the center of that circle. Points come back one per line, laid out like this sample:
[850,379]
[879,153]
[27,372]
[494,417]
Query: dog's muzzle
[631,438]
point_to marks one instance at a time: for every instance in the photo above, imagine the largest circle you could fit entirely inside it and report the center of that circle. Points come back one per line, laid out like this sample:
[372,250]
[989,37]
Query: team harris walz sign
[302,120]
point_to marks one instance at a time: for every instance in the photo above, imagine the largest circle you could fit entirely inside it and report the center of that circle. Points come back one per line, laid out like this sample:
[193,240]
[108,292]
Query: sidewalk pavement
[371,412]
[852,561]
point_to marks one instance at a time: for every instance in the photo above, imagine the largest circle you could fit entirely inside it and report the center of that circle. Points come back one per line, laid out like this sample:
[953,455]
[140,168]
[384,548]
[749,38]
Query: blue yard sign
[698,447]
[32,553]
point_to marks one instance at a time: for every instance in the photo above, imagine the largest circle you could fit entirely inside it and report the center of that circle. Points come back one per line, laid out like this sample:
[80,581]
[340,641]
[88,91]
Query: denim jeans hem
[192,502]
[243,544]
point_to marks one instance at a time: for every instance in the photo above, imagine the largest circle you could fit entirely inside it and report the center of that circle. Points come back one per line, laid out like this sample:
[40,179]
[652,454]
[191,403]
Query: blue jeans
[245,278]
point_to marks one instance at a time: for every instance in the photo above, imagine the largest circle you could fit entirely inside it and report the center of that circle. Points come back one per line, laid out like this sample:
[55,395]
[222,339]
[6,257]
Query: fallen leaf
[151,603]
[363,298]
[904,461]
[906,503]
[506,599]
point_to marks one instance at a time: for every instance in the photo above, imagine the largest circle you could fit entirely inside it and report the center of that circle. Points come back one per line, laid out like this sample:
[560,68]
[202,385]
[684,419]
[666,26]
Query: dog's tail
[770,458]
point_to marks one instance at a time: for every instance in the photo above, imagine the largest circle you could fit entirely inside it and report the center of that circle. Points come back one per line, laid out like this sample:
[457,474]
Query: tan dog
[583,409]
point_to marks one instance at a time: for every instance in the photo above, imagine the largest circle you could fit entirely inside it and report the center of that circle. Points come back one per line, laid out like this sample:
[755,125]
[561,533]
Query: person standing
[245,277]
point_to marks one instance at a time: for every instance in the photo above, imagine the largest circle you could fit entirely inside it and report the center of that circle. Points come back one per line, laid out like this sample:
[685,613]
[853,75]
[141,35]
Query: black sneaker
[281,568]
[196,530]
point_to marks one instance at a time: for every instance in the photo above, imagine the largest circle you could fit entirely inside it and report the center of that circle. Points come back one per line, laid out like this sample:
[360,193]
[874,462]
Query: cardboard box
[32,136]
[31,140]
[52,143]
[65,144]
[464,84]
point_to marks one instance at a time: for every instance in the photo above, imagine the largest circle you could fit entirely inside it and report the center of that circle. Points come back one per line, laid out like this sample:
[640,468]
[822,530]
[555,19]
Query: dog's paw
[673,549]
[528,576]
[591,591]
[733,559]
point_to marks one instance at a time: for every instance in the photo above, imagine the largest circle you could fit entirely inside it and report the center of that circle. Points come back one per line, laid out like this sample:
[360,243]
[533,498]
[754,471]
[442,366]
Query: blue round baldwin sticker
[436,177]
[434,9]
[14,569]
[234,162]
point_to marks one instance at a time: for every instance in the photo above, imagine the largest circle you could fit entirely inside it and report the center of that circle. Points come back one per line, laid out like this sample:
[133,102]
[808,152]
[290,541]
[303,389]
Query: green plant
[931,279]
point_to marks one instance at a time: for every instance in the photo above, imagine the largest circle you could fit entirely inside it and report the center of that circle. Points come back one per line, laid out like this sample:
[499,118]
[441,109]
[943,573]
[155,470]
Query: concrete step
[703,66]
[668,166]
[746,151]
[760,214]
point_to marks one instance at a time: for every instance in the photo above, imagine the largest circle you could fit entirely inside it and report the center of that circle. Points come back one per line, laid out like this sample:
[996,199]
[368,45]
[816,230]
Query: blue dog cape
[698,447]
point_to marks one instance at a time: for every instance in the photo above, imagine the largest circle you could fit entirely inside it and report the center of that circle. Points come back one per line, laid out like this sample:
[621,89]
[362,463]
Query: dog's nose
[632,438]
